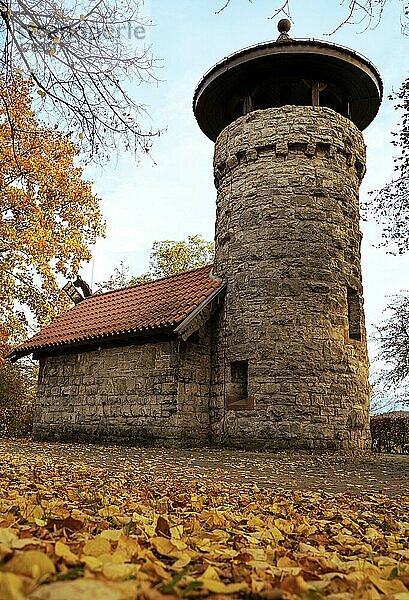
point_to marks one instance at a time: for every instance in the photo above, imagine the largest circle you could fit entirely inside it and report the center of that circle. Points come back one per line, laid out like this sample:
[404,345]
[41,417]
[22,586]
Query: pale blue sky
[175,197]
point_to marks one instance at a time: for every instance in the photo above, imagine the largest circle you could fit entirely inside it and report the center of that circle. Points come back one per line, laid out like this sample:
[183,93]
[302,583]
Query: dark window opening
[354,315]
[41,371]
[282,91]
[237,397]
[285,95]
[330,101]
[239,379]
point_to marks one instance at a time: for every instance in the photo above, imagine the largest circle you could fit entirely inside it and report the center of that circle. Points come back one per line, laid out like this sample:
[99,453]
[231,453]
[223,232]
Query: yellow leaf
[372,534]
[252,539]
[64,552]
[97,546]
[7,537]
[111,535]
[149,530]
[279,571]
[275,534]
[178,544]
[308,549]
[183,560]
[218,587]
[19,544]
[257,553]
[390,586]
[284,526]
[211,573]
[302,585]
[92,562]
[32,563]
[114,558]
[158,567]
[87,589]
[11,587]
[164,546]
[254,521]
[32,512]
[285,561]
[176,532]
[118,572]
[128,546]
[111,509]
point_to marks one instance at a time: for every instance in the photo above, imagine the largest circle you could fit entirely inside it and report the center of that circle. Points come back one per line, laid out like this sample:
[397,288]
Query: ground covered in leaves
[380,473]
[69,531]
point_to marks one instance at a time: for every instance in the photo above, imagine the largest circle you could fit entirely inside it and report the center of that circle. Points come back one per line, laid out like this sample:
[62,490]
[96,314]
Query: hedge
[390,432]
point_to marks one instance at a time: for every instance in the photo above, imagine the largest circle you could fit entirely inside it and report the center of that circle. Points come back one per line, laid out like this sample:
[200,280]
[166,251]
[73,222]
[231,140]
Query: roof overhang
[302,58]
[196,318]
[201,314]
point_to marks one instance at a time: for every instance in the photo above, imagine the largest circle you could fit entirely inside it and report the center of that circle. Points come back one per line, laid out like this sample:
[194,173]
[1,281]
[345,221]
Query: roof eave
[88,342]
[186,327]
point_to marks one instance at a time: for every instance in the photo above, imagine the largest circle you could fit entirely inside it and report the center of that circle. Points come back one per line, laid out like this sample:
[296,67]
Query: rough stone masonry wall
[288,243]
[142,394]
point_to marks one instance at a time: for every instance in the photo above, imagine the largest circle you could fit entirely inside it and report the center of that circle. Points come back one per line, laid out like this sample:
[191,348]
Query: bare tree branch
[225,5]
[390,205]
[283,9]
[392,338]
[368,12]
[80,55]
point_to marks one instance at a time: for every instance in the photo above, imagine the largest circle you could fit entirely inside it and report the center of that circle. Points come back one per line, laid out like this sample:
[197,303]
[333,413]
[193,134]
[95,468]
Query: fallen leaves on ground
[376,473]
[72,532]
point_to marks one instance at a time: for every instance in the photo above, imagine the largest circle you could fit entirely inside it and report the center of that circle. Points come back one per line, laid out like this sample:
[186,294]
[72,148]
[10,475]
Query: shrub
[390,432]
[17,394]
[17,421]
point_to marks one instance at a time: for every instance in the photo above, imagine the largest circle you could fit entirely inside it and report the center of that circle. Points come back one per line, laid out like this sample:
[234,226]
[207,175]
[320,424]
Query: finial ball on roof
[284,25]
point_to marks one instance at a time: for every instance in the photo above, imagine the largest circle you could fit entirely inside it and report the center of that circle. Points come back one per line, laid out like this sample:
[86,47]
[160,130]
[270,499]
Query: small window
[354,315]
[237,396]
[41,370]
[239,376]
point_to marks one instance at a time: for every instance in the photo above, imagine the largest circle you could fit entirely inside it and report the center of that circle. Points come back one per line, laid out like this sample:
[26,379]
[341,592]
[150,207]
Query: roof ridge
[141,283]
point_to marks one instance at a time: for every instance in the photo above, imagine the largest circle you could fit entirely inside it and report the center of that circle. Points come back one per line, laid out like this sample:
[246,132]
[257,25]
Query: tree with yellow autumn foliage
[168,257]
[48,214]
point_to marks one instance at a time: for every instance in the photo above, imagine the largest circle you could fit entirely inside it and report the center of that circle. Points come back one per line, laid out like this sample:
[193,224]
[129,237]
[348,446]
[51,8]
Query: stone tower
[290,356]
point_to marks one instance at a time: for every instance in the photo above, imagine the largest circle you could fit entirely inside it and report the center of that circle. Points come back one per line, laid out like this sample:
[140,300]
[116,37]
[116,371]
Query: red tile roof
[137,310]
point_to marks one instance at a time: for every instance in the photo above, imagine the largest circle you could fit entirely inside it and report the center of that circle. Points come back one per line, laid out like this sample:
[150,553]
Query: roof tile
[159,304]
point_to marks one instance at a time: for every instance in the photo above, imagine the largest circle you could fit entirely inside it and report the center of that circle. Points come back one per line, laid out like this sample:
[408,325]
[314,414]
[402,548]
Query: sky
[171,195]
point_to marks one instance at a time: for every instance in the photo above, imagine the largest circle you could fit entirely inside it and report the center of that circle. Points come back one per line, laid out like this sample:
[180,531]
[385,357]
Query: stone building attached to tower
[266,348]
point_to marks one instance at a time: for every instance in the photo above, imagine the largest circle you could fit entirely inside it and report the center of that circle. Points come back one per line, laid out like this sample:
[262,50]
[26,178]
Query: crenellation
[288,259]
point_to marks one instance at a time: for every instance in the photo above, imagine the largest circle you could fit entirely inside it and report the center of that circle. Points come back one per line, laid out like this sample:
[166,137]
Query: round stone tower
[290,357]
